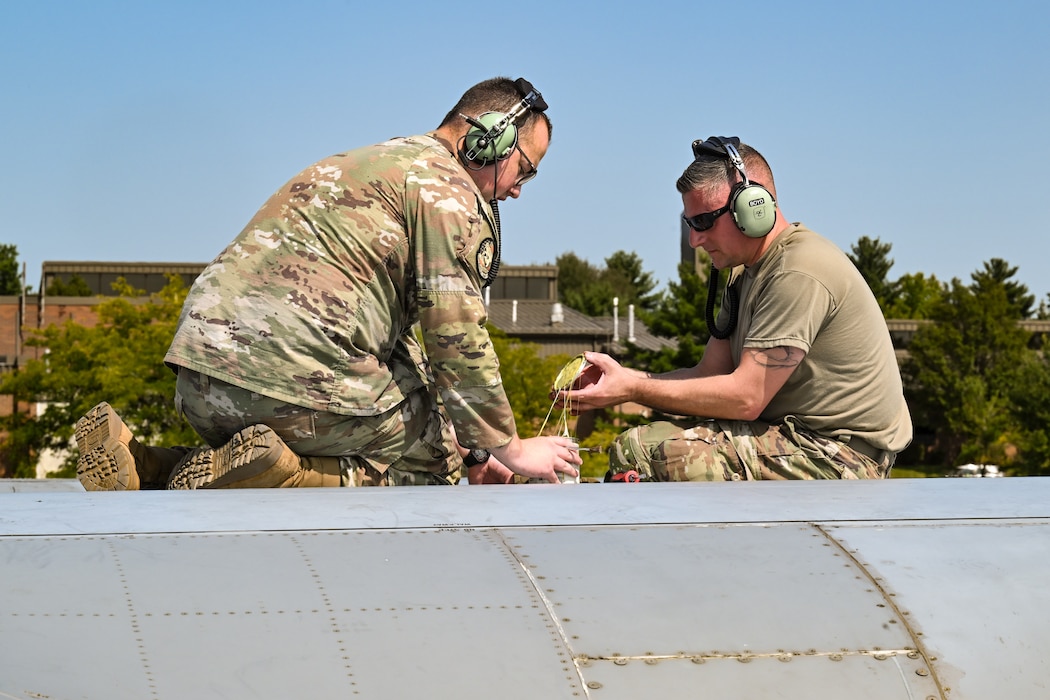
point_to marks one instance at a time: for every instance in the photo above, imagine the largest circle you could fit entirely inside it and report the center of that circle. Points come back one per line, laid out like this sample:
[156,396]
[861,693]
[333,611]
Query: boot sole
[249,453]
[105,462]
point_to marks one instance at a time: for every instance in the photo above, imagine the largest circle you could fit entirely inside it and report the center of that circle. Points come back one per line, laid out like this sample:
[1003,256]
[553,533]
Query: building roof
[530,318]
[536,317]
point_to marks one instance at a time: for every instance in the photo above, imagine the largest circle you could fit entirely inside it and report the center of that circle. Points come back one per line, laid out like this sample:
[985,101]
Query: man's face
[723,241]
[509,175]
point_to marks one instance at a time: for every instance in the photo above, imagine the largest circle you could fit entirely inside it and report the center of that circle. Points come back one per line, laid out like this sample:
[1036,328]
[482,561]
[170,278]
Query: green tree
[591,290]
[624,271]
[10,280]
[527,379]
[579,286]
[1030,403]
[871,258]
[961,371]
[120,360]
[679,314]
[998,273]
[916,297]
[1043,312]
[75,287]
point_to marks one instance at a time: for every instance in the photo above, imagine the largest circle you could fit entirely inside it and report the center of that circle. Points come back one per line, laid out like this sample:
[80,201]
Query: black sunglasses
[528,174]
[704,221]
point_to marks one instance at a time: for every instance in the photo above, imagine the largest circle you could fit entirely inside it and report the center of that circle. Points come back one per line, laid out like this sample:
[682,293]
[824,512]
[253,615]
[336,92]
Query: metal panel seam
[548,606]
[891,604]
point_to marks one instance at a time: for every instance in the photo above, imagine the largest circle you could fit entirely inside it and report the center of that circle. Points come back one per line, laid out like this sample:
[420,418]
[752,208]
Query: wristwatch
[475,457]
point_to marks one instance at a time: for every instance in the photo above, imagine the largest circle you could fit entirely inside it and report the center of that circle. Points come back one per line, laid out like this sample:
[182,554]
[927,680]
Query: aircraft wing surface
[905,588]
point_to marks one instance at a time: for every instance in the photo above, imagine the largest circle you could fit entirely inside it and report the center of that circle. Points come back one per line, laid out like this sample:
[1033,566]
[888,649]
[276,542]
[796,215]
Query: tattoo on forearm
[782,356]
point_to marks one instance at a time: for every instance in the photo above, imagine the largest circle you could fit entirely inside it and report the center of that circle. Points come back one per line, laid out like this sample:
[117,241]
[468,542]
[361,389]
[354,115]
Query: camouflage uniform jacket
[314,302]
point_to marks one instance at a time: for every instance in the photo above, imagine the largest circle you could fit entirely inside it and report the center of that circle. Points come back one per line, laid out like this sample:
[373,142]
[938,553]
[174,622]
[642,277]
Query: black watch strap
[475,457]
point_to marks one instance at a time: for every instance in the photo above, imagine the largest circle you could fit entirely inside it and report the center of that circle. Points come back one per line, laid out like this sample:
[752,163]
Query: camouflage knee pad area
[408,445]
[668,451]
[361,474]
[718,450]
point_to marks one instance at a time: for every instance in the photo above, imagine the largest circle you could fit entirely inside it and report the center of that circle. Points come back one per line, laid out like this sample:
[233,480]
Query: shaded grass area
[915,472]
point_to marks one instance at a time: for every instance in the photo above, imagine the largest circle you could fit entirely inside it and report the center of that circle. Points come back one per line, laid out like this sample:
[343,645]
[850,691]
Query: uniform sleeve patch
[486,254]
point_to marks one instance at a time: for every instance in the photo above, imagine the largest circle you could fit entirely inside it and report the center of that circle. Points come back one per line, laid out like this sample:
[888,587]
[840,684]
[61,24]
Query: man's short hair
[493,95]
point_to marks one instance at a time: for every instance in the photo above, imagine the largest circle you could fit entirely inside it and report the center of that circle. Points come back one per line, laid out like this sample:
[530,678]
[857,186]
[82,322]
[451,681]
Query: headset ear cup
[754,210]
[499,147]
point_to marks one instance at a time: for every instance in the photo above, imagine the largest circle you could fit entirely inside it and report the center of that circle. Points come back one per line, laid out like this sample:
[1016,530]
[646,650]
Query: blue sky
[148,131]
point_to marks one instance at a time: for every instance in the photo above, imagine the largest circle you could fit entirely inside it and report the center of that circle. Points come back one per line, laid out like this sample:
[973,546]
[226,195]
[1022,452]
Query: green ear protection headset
[493,135]
[491,138]
[752,205]
[754,212]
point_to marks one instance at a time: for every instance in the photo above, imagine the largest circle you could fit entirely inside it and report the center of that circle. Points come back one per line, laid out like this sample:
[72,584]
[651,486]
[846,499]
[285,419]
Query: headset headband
[715,146]
[722,147]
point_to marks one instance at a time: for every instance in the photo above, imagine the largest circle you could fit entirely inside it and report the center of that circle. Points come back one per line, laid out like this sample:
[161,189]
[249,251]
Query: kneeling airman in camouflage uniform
[296,351]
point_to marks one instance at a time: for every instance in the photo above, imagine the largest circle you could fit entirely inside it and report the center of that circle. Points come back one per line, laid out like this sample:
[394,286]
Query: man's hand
[540,457]
[491,471]
[605,382]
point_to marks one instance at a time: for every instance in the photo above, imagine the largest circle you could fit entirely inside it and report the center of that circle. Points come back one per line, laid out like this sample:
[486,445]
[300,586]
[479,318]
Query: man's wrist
[476,457]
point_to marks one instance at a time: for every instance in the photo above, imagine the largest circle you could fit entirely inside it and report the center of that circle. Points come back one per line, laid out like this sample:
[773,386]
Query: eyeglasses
[524,177]
[704,221]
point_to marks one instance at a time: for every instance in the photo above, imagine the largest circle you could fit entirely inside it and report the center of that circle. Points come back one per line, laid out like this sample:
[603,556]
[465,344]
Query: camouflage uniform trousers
[409,445]
[729,450]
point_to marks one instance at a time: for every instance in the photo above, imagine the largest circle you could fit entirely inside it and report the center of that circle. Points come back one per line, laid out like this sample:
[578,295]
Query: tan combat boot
[317,471]
[111,459]
[254,458]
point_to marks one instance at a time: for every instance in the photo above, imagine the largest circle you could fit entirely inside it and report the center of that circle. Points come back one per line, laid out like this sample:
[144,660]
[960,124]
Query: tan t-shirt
[805,293]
